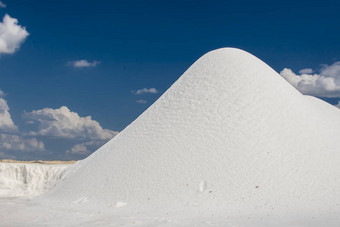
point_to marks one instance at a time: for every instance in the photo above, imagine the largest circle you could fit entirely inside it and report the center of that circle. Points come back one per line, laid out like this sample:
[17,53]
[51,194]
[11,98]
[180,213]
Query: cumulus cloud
[2,94]
[10,137]
[67,124]
[81,135]
[83,63]
[2,5]
[12,35]
[6,122]
[141,101]
[324,84]
[145,90]
[18,143]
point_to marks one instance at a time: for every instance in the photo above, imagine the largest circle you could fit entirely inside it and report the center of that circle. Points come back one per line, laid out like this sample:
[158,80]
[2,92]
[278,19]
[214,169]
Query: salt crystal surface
[21,179]
[232,121]
[231,143]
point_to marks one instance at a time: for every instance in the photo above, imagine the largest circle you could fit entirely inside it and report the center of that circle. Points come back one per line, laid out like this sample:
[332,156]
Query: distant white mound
[28,180]
[232,133]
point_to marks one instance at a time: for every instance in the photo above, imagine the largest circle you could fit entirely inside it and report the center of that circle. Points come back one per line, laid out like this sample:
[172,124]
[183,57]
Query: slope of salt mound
[229,133]
[22,179]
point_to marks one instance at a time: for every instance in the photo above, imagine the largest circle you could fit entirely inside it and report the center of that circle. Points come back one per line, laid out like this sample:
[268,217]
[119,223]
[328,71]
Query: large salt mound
[229,133]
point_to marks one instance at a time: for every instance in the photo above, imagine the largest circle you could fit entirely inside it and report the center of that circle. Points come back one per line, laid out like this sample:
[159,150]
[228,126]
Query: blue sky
[129,48]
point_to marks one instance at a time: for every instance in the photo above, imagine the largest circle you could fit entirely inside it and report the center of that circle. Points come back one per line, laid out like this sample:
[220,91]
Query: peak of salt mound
[229,132]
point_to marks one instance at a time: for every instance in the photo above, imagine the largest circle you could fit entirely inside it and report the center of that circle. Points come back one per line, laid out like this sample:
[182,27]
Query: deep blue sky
[144,44]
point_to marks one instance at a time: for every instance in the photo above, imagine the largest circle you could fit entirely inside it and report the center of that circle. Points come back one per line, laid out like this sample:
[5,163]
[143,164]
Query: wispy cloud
[83,63]
[2,94]
[79,149]
[12,35]
[2,5]
[326,83]
[141,101]
[145,90]
[85,148]
[306,71]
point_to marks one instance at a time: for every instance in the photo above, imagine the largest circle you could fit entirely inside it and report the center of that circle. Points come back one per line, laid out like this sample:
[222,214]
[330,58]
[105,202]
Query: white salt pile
[231,143]
[230,132]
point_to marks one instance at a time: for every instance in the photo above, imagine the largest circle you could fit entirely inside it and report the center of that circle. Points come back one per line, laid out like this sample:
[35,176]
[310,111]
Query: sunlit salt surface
[231,143]
[28,180]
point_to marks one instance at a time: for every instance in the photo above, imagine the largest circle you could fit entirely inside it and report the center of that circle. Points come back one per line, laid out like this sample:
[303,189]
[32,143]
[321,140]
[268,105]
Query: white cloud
[2,5]
[80,149]
[86,148]
[10,138]
[67,124]
[324,84]
[83,63]
[2,94]
[18,143]
[145,90]
[306,71]
[6,122]
[12,35]
[141,101]
[82,134]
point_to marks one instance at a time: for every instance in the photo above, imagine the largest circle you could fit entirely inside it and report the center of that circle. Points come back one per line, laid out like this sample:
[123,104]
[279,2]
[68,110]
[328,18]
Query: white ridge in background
[22,179]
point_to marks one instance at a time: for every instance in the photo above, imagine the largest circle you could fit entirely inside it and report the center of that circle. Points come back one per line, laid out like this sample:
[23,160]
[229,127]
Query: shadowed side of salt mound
[230,132]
